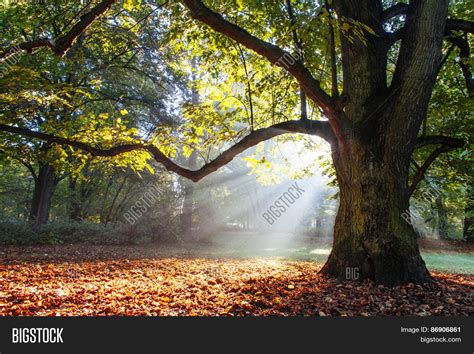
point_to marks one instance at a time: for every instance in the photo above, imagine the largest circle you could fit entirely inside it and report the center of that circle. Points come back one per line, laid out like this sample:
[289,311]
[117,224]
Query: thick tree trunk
[371,238]
[45,184]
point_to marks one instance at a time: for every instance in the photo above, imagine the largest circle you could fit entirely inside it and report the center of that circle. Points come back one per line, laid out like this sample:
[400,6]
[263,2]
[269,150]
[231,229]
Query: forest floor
[76,280]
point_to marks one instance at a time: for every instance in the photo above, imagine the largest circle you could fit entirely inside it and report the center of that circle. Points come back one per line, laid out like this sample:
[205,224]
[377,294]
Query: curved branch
[318,128]
[29,167]
[439,140]
[447,144]
[399,9]
[451,24]
[62,44]
[274,54]
[420,175]
[393,11]
[464,54]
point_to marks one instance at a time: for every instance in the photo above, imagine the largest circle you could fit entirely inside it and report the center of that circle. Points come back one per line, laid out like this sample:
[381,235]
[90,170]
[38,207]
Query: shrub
[21,233]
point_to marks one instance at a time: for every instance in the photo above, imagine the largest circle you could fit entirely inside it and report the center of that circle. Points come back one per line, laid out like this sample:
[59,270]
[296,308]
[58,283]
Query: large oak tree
[372,119]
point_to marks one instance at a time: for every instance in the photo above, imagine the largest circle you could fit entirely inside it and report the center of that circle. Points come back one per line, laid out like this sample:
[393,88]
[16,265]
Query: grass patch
[462,263]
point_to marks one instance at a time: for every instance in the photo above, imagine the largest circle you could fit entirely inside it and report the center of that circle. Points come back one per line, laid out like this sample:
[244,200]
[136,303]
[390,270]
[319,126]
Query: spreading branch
[310,127]
[451,24]
[446,144]
[273,53]
[62,44]
[439,140]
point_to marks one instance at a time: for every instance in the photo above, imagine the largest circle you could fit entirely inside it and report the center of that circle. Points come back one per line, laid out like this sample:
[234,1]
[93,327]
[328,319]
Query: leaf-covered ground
[98,280]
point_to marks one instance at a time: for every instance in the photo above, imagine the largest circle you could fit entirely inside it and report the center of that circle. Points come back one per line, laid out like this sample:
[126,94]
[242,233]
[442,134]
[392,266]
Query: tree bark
[45,184]
[371,237]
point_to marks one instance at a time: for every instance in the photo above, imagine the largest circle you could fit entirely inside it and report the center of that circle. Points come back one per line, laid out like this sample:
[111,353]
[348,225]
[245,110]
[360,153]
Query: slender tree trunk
[442,218]
[188,202]
[104,201]
[114,200]
[121,205]
[372,240]
[469,216]
[75,209]
[43,191]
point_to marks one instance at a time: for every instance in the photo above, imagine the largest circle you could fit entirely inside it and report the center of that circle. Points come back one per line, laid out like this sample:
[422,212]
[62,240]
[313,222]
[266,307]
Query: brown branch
[318,128]
[65,141]
[61,44]
[447,144]
[420,175]
[439,140]
[393,11]
[29,167]
[275,55]
[464,54]
[399,9]
[451,24]
[459,25]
